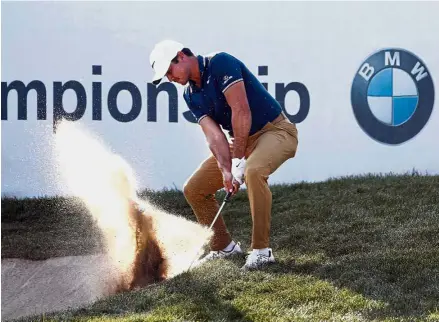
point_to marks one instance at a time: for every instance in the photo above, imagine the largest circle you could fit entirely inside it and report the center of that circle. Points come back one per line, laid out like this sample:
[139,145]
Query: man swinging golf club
[222,92]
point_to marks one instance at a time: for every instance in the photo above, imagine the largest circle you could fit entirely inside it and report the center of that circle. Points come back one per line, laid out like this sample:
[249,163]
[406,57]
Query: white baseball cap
[161,56]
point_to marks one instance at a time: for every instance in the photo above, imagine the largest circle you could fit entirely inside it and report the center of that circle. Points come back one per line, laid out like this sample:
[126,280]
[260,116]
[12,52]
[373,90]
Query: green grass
[350,249]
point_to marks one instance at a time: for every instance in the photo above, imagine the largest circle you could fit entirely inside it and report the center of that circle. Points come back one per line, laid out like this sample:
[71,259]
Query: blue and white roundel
[392,96]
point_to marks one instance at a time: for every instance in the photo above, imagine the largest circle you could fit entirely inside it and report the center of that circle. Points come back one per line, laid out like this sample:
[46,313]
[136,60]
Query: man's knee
[254,172]
[194,189]
[189,189]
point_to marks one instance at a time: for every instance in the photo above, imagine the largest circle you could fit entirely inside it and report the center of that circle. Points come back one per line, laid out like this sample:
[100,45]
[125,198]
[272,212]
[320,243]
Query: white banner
[370,71]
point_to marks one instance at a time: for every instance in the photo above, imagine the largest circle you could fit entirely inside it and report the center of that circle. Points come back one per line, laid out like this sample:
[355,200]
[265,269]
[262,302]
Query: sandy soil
[33,287]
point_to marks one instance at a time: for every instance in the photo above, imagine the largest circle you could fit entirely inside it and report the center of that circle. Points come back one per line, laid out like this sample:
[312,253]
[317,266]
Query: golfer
[223,94]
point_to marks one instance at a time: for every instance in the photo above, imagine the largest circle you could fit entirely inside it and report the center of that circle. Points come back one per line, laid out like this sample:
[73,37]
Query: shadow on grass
[410,290]
[184,296]
[407,280]
[203,297]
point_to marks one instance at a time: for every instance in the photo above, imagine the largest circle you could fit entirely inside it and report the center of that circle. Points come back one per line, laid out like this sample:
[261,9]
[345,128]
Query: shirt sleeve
[227,70]
[194,103]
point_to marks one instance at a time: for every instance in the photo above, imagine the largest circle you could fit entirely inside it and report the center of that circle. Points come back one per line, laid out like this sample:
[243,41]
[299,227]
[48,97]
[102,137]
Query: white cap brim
[161,57]
[161,68]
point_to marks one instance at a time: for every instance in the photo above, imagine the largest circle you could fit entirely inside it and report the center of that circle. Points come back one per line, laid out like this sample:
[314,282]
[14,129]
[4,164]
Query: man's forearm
[221,150]
[241,123]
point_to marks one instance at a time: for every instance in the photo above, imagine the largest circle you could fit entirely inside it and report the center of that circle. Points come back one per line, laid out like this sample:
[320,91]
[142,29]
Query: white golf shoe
[217,254]
[258,258]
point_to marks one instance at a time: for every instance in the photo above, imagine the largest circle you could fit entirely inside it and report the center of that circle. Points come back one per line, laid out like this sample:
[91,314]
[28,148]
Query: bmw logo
[392,95]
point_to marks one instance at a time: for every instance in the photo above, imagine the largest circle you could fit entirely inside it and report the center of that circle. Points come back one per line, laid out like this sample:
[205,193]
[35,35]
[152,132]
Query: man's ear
[181,55]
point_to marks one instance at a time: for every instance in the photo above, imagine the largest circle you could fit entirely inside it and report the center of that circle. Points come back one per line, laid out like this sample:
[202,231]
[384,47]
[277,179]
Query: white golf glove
[238,169]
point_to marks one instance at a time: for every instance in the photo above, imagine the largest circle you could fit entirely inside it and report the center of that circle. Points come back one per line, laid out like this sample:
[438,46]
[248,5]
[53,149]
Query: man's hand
[230,184]
[238,169]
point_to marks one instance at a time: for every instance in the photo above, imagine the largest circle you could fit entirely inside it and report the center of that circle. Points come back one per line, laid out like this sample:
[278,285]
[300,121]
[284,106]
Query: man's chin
[181,82]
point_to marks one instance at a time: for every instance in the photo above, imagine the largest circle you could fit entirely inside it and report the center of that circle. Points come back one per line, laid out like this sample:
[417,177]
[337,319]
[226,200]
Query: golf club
[226,199]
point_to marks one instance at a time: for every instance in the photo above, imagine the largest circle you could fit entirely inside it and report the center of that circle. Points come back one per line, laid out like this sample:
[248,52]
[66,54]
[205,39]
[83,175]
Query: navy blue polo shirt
[218,72]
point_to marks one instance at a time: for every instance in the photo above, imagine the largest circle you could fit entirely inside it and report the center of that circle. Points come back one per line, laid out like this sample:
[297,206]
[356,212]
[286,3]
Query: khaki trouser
[266,151]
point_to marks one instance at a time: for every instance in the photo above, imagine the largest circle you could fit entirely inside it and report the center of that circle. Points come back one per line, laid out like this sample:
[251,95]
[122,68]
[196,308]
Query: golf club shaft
[226,199]
[221,208]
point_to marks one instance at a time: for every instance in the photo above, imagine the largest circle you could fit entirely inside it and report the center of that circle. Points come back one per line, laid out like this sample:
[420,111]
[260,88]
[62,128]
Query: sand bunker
[35,287]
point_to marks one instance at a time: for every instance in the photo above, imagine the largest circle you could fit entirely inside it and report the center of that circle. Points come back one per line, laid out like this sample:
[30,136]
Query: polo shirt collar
[202,67]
